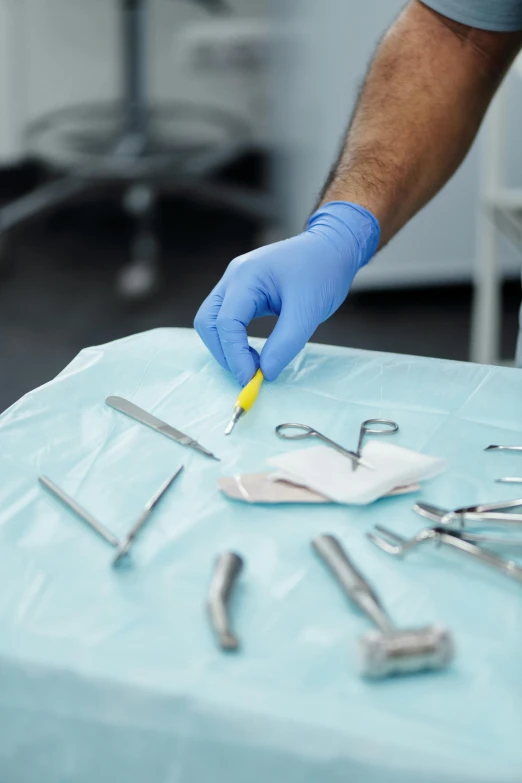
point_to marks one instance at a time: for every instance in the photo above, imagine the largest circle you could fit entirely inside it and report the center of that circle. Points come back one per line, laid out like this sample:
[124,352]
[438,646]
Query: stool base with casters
[144,149]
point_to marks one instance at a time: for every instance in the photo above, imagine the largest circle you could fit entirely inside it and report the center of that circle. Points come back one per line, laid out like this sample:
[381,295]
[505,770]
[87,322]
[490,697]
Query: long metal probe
[126,544]
[80,512]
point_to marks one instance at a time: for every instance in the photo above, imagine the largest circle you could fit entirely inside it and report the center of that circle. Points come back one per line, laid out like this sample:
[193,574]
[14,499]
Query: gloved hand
[302,280]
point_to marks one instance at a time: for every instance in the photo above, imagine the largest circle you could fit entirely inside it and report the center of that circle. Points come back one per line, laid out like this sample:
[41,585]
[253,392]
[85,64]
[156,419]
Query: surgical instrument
[246,400]
[388,427]
[125,545]
[509,480]
[497,542]
[80,512]
[309,432]
[138,414]
[494,447]
[394,544]
[226,570]
[389,650]
[483,513]
[442,517]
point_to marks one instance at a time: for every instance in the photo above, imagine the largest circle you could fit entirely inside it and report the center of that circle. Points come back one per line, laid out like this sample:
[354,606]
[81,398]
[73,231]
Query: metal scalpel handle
[354,584]
[226,570]
[136,413]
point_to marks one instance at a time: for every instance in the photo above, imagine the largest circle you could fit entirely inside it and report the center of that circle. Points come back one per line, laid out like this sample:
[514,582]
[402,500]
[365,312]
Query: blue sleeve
[496,15]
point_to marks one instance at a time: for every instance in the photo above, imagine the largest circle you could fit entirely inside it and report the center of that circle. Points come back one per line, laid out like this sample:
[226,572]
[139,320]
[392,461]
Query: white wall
[55,53]
[330,44]
[9,82]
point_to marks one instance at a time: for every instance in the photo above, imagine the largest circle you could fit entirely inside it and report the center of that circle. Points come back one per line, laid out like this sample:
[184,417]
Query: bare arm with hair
[425,95]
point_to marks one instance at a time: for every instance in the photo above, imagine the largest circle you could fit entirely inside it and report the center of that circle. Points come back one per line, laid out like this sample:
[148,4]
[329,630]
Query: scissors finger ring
[388,426]
[305,431]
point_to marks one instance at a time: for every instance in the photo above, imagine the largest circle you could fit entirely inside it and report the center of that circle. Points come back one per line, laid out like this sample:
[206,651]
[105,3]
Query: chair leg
[43,199]
[140,278]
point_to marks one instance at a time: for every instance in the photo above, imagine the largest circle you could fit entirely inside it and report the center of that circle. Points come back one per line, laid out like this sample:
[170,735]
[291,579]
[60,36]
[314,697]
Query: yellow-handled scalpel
[246,399]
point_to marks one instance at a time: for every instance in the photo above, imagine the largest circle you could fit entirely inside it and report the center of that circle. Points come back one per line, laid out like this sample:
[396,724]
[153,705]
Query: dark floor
[57,295]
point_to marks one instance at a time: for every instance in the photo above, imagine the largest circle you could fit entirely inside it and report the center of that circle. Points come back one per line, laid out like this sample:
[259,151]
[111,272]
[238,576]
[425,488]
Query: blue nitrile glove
[303,280]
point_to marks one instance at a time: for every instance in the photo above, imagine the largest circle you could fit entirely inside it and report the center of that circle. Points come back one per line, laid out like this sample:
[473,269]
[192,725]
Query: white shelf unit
[499,216]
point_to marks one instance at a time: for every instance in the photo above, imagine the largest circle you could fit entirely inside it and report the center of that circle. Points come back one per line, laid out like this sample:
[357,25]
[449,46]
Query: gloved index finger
[205,325]
[237,310]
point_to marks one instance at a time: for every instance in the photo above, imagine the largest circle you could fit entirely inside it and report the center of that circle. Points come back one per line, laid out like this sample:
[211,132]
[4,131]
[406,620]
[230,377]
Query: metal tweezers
[394,544]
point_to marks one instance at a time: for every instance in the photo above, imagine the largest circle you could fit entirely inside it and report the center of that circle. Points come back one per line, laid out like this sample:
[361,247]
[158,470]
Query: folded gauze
[329,473]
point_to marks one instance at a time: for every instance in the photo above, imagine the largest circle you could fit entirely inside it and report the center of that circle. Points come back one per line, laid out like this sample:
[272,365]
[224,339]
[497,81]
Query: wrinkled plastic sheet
[111,675]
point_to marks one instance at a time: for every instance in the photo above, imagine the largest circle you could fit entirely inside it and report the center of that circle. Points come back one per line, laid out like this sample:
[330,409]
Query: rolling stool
[140,148]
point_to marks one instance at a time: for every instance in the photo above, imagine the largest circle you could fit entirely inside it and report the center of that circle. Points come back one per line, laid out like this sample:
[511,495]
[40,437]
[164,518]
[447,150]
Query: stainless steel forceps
[304,431]
[480,514]
[394,544]
[388,427]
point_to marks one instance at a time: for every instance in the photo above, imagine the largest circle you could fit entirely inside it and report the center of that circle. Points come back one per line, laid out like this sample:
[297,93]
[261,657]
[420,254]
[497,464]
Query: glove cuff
[351,227]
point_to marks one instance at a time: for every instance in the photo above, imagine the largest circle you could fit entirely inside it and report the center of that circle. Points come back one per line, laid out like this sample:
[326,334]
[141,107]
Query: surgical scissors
[388,427]
[309,432]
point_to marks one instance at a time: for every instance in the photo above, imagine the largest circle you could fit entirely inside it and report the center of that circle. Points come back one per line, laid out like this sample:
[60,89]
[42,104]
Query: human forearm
[426,93]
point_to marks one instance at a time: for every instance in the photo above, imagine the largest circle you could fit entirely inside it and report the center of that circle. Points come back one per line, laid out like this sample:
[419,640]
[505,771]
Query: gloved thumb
[289,337]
